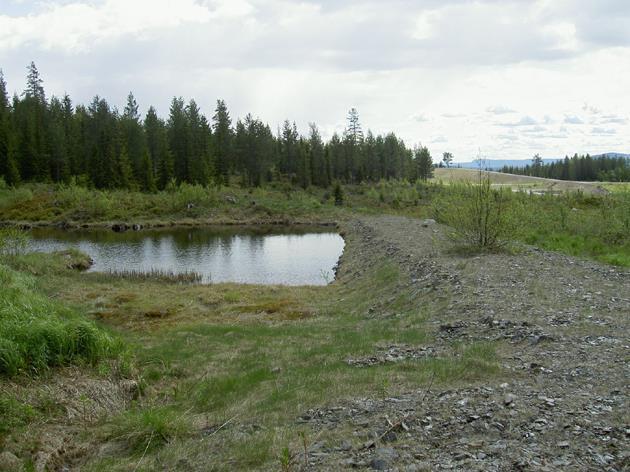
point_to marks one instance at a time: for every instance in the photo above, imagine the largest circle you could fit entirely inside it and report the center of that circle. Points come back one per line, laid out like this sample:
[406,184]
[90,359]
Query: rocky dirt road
[562,325]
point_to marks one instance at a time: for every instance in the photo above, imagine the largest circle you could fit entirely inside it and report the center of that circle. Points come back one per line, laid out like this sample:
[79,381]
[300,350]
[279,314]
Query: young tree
[424,163]
[447,158]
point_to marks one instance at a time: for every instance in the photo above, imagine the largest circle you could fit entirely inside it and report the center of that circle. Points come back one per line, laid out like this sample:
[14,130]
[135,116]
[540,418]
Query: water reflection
[272,255]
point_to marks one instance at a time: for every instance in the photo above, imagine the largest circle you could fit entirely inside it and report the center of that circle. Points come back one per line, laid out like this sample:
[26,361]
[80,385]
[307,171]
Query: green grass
[149,429]
[268,372]
[37,333]
[575,223]
[226,369]
[251,358]
[14,413]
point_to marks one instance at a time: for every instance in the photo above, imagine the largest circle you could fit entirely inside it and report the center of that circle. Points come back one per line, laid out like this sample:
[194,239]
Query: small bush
[479,214]
[338,194]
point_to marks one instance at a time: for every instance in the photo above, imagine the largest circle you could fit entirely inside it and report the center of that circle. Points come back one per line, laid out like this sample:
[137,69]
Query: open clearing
[523,181]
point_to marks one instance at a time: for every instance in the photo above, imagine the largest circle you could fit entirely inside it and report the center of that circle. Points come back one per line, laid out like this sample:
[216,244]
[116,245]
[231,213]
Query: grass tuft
[150,429]
[37,333]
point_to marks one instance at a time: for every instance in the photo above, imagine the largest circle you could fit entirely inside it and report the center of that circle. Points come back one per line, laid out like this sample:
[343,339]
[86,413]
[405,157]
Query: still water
[268,255]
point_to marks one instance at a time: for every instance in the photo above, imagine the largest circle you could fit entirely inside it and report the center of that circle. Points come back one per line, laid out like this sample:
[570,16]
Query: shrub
[338,194]
[479,214]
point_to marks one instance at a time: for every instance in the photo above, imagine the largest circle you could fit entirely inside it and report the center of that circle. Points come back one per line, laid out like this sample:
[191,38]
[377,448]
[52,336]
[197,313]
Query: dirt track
[562,325]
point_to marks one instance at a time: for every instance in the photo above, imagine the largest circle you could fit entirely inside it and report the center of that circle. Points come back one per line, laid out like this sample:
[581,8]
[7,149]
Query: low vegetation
[208,357]
[37,333]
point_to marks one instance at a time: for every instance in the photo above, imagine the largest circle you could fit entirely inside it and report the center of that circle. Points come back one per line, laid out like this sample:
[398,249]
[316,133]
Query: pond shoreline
[263,254]
[141,225]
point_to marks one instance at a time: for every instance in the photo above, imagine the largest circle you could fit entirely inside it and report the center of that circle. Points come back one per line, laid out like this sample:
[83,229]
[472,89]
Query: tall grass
[158,275]
[37,333]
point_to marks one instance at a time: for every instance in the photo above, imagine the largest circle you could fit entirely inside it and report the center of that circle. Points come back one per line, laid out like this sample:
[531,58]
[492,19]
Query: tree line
[584,168]
[96,145]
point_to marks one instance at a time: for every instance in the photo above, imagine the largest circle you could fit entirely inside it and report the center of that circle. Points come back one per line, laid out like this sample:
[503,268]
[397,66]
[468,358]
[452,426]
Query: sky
[503,79]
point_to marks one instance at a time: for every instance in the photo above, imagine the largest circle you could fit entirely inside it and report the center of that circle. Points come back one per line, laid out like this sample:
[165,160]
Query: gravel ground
[563,327]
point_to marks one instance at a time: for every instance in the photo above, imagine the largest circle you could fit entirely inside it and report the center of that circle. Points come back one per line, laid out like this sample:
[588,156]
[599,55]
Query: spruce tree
[178,138]
[223,142]
[134,137]
[8,166]
[157,147]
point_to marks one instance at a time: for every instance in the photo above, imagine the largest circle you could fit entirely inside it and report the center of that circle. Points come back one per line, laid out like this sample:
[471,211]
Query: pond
[254,255]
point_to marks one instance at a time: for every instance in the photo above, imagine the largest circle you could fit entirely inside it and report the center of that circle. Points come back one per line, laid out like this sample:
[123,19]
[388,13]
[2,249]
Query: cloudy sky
[507,78]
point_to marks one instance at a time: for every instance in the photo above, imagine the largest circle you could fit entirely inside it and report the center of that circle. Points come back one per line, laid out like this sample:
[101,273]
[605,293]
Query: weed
[149,429]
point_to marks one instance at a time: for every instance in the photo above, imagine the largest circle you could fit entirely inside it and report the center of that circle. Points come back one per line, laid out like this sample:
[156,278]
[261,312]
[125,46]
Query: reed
[159,275]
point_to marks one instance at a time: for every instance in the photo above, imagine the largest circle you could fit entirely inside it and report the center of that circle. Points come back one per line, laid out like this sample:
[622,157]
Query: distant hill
[499,163]
[614,154]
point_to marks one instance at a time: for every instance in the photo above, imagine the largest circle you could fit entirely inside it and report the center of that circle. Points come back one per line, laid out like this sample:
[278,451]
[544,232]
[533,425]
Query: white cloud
[500,110]
[524,121]
[573,120]
[77,27]
[426,70]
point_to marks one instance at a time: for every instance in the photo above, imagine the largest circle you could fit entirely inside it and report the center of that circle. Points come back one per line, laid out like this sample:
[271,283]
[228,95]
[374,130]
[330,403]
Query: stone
[508,399]
[9,462]
[345,445]
[379,464]
[428,222]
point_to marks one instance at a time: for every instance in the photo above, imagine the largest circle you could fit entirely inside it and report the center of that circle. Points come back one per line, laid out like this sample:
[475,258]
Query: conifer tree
[424,163]
[148,177]
[319,168]
[157,147]
[124,171]
[223,142]
[8,167]
[178,139]
[134,137]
